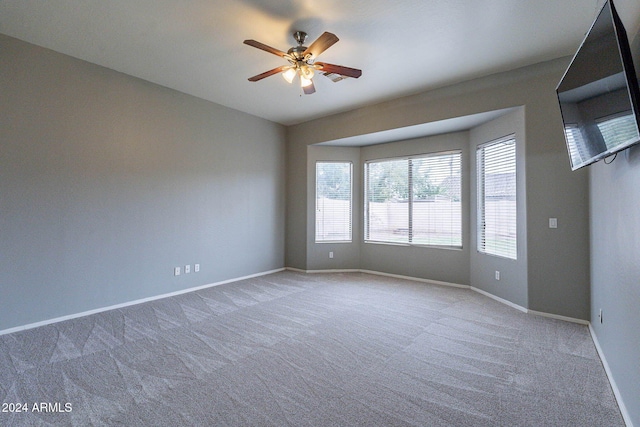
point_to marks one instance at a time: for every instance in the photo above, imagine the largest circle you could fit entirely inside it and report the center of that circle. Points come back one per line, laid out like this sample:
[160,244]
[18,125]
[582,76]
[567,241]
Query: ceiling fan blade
[308,90]
[266,48]
[280,69]
[339,69]
[322,43]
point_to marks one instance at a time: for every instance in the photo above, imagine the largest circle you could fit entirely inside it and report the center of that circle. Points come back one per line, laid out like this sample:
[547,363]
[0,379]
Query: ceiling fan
[302,61]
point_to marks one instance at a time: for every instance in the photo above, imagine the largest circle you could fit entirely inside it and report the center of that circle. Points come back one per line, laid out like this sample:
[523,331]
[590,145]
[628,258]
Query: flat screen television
[598,94]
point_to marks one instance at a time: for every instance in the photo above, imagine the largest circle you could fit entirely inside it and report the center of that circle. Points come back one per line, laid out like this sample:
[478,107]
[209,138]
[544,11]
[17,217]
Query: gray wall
[107,182]
[615,277]
[513,285]
[296,204]
[557,261]
[615,253]
[345,255]
[446,265]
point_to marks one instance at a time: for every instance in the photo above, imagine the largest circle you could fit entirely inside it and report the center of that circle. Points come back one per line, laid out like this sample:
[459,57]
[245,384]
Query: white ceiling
[403,47]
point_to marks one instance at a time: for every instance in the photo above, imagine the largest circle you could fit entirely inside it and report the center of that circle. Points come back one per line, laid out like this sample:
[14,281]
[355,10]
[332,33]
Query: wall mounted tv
[598,94]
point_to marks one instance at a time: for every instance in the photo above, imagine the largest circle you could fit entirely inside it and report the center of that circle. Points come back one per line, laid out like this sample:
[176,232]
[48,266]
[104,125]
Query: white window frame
[322,236]
[509,226]
[411,223]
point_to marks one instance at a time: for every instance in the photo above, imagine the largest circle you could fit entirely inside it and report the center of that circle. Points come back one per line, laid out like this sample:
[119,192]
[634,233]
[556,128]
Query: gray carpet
[290,349]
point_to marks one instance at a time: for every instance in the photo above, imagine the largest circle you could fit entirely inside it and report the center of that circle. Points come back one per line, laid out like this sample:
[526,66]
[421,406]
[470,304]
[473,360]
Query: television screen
[599,94]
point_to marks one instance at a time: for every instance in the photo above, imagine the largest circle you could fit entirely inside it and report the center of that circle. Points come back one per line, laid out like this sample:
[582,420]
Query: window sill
[415,245]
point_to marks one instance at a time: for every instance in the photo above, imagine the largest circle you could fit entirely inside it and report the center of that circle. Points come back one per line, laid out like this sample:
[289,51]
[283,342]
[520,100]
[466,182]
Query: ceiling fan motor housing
[297,52]
[300,37]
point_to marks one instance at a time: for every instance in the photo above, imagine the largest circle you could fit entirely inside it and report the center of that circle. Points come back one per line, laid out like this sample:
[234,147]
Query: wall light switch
[187,269]
[553,222]
[196,267]
[176,271]
[330,254]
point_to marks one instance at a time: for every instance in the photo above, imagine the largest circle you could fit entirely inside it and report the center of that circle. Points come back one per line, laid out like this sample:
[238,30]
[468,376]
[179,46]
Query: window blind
[414,200]
[497,209]
[617,130]
[387,201]
[333,201]
[575,140]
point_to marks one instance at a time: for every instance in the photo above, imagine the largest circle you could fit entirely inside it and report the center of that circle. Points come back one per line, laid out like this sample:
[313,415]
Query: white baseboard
[297,270]
[455,285]
[416,279]
[379,273]
[559,317]
[333,270]
[501,300]
[616,392]
[130,303]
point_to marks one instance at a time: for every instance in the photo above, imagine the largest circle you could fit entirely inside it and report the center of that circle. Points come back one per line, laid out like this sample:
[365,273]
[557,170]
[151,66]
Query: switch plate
[187,269]
[331,255]
[196,267]
[497,275]
[176,271]
[553,222]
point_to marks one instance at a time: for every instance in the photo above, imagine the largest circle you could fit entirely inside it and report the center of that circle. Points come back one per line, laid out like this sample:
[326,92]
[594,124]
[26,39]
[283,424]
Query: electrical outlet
[196,267]
[497,275]
[176,271]
[187,269]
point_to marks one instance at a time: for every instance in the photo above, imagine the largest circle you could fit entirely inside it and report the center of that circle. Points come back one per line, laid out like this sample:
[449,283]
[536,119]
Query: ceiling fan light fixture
[289,75]
[304,82]
[307,71]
